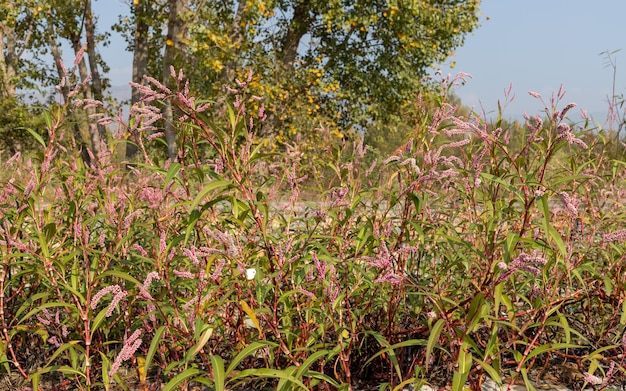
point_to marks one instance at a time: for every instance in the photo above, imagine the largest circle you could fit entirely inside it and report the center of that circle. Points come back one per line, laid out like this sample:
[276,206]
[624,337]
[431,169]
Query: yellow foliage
[336,132]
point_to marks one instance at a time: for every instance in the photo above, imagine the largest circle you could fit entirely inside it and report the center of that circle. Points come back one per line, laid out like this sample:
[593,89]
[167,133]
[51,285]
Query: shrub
[452,259]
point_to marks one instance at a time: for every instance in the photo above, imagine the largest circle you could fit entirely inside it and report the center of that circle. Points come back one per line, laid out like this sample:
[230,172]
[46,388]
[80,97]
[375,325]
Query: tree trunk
[227,75]
[140,66]
[96,80]
[65,90]
[298,27]
[8,58]
[56,56]
[176,33]
[90,31]
[94,133]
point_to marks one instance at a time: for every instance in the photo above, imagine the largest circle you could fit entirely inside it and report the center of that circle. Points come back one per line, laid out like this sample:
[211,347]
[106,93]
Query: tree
[29,30]
[343,63]
[20,34]
[376,51]
[174,46]
[70,21]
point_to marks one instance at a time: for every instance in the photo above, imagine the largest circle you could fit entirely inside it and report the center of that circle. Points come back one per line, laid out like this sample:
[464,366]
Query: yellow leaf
[246,308]
[141,368]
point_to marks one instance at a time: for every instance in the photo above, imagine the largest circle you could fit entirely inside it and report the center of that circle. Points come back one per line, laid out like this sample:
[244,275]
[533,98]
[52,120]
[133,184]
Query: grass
[462,256]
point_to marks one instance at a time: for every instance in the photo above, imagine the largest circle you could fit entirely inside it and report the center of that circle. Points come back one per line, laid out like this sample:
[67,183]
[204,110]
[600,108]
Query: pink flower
[390,277]
[570,203]
[183,274]
[131,344]
[118,294]
[616,236]
[592,379]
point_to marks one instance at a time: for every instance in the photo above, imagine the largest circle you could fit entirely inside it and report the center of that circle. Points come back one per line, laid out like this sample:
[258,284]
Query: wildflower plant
[459,256]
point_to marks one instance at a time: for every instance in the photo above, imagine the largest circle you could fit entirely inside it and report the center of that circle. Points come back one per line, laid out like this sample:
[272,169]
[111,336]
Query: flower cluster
[616,236]
[529,263]
[118,294]
[131,344]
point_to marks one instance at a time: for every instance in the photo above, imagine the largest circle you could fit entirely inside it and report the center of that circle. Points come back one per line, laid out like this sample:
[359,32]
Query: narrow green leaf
[219,376]
[404,384]
[465,358]
[271,373]
[172,172]
[154,345]
[206,190]
[312,359]
[97,322]
[458,380]
[181,377]
[39,296]
[491,371]
[548,347]
[120,274]
[106,366]
[432,339]
[245,352]
[527,382]
[284,382]
[36,136]
[566,328]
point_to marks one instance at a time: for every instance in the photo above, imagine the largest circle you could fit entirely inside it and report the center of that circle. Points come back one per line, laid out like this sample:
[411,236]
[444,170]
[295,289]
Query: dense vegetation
[350,66]
[458,257]
[270,217]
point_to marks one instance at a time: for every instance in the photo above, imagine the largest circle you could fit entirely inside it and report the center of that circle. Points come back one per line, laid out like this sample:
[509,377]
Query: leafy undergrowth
[461,256]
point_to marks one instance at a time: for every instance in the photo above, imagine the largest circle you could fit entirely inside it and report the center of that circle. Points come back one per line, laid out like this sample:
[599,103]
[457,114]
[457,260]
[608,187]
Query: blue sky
[535,45]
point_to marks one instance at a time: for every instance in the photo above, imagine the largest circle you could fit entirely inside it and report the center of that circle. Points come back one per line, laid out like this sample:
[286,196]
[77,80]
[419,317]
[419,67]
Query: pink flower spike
[79,55]
[534,94]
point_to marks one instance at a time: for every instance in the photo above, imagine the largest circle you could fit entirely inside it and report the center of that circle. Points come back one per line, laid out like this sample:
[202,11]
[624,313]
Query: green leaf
[98,320]
[181,377]
[271,373]
[154,345]
[390,349]
[106,367]
[458,380]
[36,136]
[219,376]
[465,358]
[312,359]
[42,295]
[216,184]
[432,339]
[549,230]
[172,172]
[548,347]
[491,371]
[245,352]
[120,274]
[527,382]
